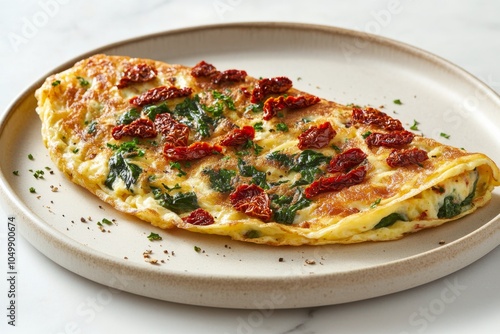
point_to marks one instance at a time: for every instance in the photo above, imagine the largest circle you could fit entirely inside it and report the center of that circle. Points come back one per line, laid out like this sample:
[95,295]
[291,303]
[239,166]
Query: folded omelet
[220,152]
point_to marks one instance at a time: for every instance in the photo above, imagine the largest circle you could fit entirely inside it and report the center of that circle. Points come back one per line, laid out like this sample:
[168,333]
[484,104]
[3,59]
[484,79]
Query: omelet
[217,151]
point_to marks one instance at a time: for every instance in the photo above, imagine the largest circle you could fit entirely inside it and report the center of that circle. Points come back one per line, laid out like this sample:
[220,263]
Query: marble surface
[36,36]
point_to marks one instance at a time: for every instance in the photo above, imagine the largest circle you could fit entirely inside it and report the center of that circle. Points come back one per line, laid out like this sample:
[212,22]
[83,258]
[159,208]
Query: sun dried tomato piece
[252,200]
[206,70]
[158,94]
[395,139]
[141,128]
[268,86]
[229,76]
[137,73]
[401,158]
[238,137]
[316,136]
[174,133]
[372,116]
[203,69]
[335,183]
[194,151]
[199,217]
[346,160]
[275,104]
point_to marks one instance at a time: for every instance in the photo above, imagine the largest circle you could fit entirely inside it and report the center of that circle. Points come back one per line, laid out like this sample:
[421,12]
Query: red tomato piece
[194,151]
[238,137]
[316,136]
[252,200]
[199,217]
[346,160]
[140,128]
[335,183]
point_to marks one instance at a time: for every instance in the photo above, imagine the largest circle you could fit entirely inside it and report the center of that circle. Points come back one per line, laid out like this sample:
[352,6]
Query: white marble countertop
[37,36]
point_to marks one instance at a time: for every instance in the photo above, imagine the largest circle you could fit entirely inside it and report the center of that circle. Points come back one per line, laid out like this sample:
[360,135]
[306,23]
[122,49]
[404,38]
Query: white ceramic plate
[341,65]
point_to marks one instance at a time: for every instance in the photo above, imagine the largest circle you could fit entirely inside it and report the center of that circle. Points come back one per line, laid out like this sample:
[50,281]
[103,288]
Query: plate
[61,219]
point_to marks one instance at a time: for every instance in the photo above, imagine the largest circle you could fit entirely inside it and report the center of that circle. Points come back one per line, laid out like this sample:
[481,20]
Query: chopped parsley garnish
[76,150]
[197,249]
[258,126]
[366,134]
[32,190]
[178,203]
[177,165]
[282,127]
[398,102]
[129,116]
[30,156]
[221,180]
[414,127]
[107,221]
[444,135]
[129,146]
[56,83]
[83,82]
[16,173]
[258,177]
[250,144]
[228,101]
[154,237]
[374,204]
[255,107]
[38,174]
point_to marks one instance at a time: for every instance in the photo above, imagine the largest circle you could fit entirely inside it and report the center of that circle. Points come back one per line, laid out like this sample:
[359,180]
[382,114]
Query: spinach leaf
[283,159]
[193,115]
[308,159]
[178,203]
[390,220]
[285,208]
[220,180]
[152,111]
[129,116]
[451,207]
[307,176]
[119,167]
[258,177]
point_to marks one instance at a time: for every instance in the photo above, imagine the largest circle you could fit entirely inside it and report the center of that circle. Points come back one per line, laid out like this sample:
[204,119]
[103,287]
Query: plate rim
[21,209]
